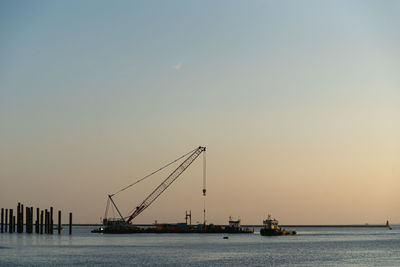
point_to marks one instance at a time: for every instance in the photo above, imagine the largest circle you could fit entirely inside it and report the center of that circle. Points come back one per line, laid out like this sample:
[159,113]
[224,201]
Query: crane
[164,185]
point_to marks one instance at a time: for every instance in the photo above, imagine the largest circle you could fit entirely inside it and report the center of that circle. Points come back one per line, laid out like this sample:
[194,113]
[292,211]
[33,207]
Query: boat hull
[276,232]
[128,229]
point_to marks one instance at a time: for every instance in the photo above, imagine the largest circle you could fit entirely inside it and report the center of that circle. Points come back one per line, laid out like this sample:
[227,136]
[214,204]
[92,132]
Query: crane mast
[166,183]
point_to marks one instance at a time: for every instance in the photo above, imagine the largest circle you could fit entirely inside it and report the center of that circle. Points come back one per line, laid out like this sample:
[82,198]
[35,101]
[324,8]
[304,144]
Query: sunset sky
[297,102]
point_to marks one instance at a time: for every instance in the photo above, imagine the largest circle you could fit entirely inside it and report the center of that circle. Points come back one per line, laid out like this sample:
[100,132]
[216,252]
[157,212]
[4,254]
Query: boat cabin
[270,223]
[234,224]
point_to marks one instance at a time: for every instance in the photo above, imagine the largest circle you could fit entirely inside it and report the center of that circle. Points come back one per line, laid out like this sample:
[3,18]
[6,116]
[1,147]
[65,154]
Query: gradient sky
[297,102]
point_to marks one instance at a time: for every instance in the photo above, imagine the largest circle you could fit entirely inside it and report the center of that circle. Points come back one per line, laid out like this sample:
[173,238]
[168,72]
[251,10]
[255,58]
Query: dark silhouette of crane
[164,185]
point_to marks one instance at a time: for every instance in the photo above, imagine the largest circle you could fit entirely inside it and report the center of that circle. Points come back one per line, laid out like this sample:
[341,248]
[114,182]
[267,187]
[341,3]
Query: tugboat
[271,228]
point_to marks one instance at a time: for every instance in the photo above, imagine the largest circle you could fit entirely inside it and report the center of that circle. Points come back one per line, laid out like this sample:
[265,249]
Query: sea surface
[311,247]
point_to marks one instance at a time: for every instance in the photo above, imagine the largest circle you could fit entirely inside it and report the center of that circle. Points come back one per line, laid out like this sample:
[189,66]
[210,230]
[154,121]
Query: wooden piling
[41,222]
[18,215]
[51,220]
[59,222]
[20,220]
[37,221]
[31,220]
[27,219]
[22,217]
[48,222]
[70,223]
[6,221]
[10,224]
[2,220]
[45,221]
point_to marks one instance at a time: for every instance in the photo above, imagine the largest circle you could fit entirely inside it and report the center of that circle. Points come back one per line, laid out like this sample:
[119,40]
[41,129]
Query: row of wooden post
[43,224]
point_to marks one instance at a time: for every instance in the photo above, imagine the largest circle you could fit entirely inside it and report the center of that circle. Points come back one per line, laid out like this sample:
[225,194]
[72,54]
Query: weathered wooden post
[48,222]
[37,221]
[31,220]
[2,220]
[27,219]
[13,228]
[59,222]
[20,220]
[22,217]
[10,225]
[6,221]
[70,223]
[45,221]
[18,214]
[41,222]
[51,220]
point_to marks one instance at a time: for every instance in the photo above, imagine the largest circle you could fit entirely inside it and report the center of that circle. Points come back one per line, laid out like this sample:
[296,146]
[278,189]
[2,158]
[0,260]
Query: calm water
[312,247]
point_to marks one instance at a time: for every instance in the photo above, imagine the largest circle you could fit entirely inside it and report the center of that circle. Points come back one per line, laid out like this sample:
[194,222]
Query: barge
[112,226]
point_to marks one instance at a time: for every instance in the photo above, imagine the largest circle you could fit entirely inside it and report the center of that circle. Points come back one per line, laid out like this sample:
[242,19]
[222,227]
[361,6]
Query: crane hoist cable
[204,187]
[154,172]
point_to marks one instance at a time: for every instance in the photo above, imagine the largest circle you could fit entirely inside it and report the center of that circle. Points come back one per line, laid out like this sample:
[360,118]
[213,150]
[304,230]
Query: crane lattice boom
[167,182]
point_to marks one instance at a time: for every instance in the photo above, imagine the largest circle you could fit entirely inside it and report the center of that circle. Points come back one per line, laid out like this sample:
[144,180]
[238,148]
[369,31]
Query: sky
[297,103]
